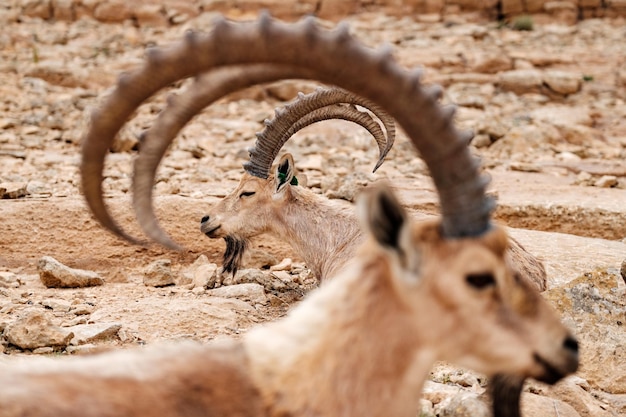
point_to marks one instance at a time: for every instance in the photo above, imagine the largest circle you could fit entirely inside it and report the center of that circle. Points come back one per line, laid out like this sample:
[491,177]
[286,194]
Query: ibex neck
[325,233]
[348,350]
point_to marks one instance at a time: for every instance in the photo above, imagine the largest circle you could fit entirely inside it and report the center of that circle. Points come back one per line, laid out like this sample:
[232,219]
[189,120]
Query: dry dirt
[555,154]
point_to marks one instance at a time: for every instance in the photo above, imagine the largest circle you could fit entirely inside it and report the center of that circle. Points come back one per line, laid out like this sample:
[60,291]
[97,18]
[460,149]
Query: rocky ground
[548,109]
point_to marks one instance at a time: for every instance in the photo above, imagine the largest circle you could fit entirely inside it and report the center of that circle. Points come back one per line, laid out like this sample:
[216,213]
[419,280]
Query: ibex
[363,344]
[323,233]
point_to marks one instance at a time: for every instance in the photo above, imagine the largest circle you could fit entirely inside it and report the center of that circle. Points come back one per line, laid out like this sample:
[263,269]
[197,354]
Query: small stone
[35,330]
[9,280]
[13,190]
[465,379]
[89,333]
[481,141]
[43,350]
[158,274]
[54,274]
[563,82]
[584,176]
[606,181]
[622,270]
[205,276]
[521,81]
[463,404]
[81,309]
[283,276]
[253,293]
[82,349]
[284,265]
[57,305]
[198,290]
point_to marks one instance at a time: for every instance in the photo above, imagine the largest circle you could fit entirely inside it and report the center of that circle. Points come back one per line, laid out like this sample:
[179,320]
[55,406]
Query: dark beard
[505,394]
[233,256]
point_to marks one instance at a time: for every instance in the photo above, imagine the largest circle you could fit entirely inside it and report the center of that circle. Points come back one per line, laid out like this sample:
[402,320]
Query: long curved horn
[351,114]
[308,108]
[180,109]
[318,54]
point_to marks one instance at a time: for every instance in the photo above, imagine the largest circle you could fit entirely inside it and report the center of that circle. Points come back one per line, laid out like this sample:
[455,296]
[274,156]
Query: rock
[54,274]
[13,190]
[537,405]
[284,265]
[622,270]
[463,404]
[253,293]
[88,348]
[465,379]
[594,305]
[490,62]
[43,350]
[34,330]
[89,333]
[9,280]
[606,181]
[57,305]
[251,276]
[158,274]
[521,81]
[205,276]
[570,391]
[81,309]
[481,141]
[562,82]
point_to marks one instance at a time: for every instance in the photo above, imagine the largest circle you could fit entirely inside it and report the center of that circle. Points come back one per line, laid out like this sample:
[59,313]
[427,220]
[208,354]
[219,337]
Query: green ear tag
[282,177]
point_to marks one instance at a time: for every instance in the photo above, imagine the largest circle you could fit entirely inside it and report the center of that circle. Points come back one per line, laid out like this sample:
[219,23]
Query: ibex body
[361,345]
[323,232]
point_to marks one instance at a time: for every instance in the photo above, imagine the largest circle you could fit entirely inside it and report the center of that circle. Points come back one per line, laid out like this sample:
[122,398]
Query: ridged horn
[331,57]
[311,108]
[180,109]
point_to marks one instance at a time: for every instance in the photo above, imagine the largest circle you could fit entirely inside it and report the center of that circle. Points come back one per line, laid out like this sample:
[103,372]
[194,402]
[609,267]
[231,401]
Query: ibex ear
[383,216]
[285,172]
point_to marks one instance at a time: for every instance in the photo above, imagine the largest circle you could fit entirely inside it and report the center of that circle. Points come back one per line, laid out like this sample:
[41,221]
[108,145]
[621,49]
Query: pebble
[606,181]
[54,274]
[34,330]
[158,274]
[253,293]
[284,265]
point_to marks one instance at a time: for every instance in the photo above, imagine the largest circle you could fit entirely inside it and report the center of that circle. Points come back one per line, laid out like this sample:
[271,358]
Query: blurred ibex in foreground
[361,345]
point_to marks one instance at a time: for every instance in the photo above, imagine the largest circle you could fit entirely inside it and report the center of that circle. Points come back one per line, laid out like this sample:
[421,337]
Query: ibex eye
[480,280]
[247,194]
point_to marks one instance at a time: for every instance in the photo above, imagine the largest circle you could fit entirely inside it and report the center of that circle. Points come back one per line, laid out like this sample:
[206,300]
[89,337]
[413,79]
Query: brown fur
[324,233]
[197,381]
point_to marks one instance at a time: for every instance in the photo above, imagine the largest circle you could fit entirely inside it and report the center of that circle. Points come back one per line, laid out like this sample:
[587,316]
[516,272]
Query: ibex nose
[571,344]
[205,219]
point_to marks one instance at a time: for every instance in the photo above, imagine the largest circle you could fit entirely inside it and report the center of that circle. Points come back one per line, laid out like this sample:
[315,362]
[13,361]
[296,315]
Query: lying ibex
[364,343]
[325,234]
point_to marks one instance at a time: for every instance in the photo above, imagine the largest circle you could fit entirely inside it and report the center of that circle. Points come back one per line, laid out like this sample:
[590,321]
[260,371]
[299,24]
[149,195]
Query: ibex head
[249,210]
[476,297]
[264,194]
